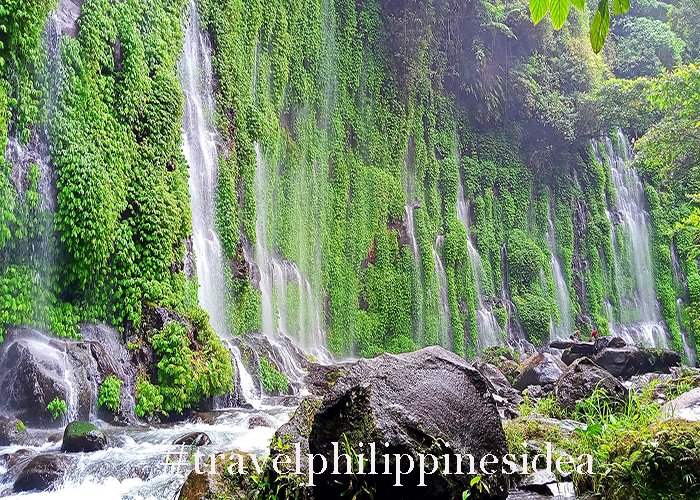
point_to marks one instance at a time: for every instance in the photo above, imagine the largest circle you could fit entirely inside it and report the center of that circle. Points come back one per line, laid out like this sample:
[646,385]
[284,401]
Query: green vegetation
[57,408]
[185,374]
[635,453]
[149,400]
[110,394]
[272,380]
[333,117]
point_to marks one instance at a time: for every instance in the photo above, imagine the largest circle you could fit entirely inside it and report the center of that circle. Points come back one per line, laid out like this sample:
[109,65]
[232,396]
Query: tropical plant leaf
[559,11]
[538,9]
[600,26]
[620,6]
[579,4]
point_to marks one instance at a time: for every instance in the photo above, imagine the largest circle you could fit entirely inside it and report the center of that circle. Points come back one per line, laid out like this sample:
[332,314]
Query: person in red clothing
[594,334]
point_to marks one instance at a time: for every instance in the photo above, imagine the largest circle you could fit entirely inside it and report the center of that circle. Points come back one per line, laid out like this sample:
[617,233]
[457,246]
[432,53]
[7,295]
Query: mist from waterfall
[640,318]
[200,150]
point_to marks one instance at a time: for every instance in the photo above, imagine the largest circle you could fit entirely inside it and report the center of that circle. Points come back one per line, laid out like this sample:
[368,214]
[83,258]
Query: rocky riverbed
[429,402]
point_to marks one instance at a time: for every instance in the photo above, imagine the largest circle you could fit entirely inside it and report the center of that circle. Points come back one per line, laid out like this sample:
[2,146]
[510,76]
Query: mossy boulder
[227,483]
[83,437]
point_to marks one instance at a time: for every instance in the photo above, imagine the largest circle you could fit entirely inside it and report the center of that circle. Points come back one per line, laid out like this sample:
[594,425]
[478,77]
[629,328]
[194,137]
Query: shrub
[535,315]
[272,380]
[525,260]
[149,401]
[110,393]
[57,408]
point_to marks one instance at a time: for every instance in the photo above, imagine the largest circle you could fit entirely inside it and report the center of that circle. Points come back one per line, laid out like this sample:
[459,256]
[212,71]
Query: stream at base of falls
[143,462]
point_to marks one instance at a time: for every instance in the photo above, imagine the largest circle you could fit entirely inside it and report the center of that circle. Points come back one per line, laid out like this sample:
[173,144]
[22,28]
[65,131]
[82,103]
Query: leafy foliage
[110,393]
[273,381]
[57,408]
[149,400]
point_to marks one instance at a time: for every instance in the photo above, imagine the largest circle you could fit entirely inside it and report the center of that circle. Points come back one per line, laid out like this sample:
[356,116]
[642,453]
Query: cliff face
[390,175]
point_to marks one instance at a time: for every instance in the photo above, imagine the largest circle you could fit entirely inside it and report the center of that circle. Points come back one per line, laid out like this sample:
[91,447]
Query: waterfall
[688,350]
[561,290]
[640,317]
[278,280]
[199,147]
[445,326]
[488,329]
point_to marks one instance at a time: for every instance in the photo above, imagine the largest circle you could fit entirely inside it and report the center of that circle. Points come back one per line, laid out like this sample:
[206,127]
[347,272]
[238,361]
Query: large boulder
[578,350]
[685,406]
[581,379]
[627,361]
[42,472]
[612,342]
[426,402]
[83,437]
[540,369]
[36,368]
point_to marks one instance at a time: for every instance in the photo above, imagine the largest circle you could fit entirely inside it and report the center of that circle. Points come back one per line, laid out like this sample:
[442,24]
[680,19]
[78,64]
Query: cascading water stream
[639,308]
[489,330]
[413,243]
[199,147]
[561,290]
[277,277]
[445,324]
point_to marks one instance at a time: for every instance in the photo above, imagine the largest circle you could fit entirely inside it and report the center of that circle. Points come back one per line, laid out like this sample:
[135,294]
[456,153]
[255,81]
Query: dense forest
[364,177]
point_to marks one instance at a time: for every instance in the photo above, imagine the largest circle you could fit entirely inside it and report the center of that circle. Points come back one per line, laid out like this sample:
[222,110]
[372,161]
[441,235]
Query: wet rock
[258,421]
[231,486]
[67,15]
[578,350]
[321,378]
[83,437]
[685,406]
[625,362]
[581,379]
[507,399]
[541,369]
[280,353]
[11,464]
[428,401]
[31,376]
[612,342]
[193,439]
[561,344]
[42,472]
[11,430]
[36,368]
[538,482]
